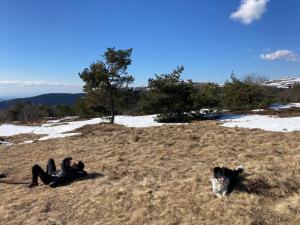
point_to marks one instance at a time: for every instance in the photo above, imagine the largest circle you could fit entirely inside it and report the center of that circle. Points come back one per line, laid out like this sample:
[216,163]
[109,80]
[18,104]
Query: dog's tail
[240,169]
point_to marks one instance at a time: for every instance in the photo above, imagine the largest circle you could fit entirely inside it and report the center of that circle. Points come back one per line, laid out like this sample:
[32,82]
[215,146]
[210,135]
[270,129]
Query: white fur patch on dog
[220,188]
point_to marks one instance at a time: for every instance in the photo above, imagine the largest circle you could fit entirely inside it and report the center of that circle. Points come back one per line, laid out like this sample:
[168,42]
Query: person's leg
[51,168]
[37,171]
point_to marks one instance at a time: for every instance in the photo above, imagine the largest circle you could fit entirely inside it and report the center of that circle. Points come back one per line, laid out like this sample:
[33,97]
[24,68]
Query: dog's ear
[216,169]
[227,172]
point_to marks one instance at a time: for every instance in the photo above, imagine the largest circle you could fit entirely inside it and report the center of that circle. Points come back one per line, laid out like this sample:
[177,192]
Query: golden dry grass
[17,139]
[157,175]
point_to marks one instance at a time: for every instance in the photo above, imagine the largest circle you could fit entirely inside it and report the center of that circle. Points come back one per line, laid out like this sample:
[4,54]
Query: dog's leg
[225,193]
[213,185]
[219,195]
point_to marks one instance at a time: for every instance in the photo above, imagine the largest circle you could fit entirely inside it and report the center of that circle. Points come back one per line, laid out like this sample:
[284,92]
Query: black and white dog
[224,180]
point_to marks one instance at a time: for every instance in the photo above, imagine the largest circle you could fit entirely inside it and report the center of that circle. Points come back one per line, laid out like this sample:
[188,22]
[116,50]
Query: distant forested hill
[45,99]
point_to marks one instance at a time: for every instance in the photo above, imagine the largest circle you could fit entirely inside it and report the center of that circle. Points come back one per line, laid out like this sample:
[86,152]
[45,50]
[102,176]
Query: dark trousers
[38,172]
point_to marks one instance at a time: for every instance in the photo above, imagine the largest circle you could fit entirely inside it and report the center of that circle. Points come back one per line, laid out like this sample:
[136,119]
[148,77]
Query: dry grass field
[157,175]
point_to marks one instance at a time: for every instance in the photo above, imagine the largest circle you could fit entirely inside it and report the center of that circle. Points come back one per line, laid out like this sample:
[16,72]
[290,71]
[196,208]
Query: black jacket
[67,174]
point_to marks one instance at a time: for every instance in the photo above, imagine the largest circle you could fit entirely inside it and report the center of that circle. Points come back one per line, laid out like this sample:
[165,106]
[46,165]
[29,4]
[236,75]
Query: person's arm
[59,181]
[53,184]
[80,174]
[65,165]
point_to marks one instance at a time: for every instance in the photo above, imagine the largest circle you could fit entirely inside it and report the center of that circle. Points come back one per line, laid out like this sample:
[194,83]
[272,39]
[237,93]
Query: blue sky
[46,43]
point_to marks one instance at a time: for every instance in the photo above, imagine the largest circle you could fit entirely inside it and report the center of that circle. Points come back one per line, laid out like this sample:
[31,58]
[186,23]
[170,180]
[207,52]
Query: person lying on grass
[69,172]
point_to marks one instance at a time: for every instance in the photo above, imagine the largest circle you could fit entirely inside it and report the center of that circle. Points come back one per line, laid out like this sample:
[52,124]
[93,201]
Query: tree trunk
[112,114]
[112,108]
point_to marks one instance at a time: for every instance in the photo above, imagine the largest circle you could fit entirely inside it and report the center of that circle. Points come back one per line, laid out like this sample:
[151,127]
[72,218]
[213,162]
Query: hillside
[285,82]
[157,175]
[45,99]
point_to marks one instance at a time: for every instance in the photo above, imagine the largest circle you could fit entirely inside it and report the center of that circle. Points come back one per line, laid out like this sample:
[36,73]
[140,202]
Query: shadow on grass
[89,176]
[258,186]
[231,117]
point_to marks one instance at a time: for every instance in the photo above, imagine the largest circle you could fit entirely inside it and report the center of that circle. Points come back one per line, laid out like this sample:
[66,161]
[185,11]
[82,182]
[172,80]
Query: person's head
[80,165]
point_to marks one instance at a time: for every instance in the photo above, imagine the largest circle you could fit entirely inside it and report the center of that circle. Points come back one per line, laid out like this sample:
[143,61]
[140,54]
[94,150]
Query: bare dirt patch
[158,175]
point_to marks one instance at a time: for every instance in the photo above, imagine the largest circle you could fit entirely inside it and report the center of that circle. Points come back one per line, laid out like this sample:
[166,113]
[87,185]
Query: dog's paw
[225,193]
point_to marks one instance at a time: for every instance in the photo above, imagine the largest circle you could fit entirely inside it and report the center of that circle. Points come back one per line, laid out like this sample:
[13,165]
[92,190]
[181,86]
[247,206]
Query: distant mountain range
[45,99]
[70,99]
[285,82]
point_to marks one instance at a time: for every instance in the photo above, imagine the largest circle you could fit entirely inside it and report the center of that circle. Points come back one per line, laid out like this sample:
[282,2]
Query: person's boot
[33,184]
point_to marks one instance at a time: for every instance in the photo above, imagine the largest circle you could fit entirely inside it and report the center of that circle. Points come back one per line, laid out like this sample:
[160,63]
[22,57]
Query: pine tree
[169,96]
[104,79]
[207,96]
[243,95]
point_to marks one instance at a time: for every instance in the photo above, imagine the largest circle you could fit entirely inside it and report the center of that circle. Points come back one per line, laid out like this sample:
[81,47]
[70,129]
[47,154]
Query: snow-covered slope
[59,129]
[269,123]
[285,82]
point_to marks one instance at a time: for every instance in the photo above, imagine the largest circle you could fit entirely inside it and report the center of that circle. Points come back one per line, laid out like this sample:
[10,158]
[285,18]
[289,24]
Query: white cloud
[249,11]
[280,54]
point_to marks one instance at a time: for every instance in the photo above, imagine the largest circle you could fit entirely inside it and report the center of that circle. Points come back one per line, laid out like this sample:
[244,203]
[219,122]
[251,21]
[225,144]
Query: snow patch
[57,129]
[140,121]
[268,123]
[5,143]
[288,106]
[58,136]
[63,119]
[53,131]
[285,82]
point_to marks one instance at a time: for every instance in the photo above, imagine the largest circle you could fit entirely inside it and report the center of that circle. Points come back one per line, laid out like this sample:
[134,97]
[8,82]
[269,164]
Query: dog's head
[220,180]
[220,173]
